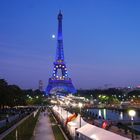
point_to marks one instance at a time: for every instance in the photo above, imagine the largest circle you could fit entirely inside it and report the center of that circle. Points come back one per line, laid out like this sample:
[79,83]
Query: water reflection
[113,114]
[104,113]
[99,113]
[121,116]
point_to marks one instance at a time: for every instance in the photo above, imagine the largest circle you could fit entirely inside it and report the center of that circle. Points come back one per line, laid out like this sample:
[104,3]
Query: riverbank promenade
[43,130]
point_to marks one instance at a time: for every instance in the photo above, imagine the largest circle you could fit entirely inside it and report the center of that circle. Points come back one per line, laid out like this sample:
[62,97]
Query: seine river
[113,114]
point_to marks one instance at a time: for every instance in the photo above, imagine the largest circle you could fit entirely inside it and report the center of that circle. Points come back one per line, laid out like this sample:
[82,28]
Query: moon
[53,36]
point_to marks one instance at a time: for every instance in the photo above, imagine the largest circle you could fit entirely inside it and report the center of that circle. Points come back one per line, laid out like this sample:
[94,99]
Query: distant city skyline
[101,42]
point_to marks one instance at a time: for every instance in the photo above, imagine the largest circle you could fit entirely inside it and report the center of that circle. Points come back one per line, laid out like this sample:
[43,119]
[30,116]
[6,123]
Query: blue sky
[101,41]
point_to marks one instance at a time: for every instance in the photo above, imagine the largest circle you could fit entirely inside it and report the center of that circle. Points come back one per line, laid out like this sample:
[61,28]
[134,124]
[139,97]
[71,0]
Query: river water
[113,114]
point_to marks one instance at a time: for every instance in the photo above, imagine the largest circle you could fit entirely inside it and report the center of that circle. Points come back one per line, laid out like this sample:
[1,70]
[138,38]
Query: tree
[3,93]
[11,95]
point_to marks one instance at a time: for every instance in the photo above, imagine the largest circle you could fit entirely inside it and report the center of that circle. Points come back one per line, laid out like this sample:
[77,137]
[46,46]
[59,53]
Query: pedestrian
[44,113]
[7,119]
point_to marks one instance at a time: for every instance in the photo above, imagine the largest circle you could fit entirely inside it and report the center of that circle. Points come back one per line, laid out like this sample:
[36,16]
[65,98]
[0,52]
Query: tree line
[111,95]
[13,95]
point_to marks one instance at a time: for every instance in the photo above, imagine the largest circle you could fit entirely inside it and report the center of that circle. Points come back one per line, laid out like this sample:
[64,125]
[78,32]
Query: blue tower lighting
[60,83]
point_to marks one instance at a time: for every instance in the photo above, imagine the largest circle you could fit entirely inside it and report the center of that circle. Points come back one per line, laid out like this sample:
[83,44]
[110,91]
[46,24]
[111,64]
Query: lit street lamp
[61,111]
[67,103]
[80,106]
[132,113]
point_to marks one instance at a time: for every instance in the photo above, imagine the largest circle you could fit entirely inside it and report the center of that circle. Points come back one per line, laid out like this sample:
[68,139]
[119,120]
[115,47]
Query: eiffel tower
[60,83]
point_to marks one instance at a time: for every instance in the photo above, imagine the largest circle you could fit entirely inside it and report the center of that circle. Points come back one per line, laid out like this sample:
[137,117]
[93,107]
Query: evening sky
[101,41]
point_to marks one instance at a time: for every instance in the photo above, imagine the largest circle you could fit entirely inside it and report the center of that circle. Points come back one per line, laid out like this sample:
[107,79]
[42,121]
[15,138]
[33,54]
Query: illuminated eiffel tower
[60,82]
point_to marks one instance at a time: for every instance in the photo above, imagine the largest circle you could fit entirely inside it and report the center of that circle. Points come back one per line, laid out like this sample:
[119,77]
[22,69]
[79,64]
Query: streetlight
[91,99]
[67,103]
[80,106]
[132,113]
[61,111]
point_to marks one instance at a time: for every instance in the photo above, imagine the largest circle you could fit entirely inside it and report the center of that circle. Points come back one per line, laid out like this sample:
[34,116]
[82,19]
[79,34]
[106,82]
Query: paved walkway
[43,130]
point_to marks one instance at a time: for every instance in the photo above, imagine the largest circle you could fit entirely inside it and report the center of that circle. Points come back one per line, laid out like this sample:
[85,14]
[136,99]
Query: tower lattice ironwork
[60,82]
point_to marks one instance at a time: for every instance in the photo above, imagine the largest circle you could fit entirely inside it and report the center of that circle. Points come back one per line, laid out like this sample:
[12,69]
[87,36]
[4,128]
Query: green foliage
[134,92]
[57,133]
[109,96]
[56,130]
[52,119]
[12,95]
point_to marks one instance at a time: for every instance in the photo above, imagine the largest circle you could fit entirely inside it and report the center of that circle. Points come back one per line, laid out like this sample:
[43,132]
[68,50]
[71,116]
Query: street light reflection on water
[111,114]
[121,116]
[99,114]
[102,113]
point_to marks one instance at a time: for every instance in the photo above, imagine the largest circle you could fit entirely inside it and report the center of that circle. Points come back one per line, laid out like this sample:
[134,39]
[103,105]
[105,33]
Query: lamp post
[91,99]
[80,106]
[132,113]
[61,115]
[67,103]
